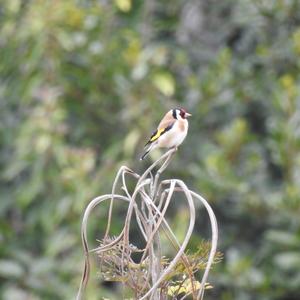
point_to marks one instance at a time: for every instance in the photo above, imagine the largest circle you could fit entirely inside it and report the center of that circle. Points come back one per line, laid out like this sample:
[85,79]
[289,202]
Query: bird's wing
[163,128]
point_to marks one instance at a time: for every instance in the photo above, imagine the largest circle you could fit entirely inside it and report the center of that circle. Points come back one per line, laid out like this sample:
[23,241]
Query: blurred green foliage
[83,84]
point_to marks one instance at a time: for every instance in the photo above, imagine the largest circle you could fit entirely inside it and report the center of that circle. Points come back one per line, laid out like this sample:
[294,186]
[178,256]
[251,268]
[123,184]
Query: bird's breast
[182,125]
[175,136]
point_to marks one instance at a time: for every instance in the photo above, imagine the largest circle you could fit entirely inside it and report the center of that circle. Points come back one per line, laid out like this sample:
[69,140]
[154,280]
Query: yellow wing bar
[157,134]
[160,132]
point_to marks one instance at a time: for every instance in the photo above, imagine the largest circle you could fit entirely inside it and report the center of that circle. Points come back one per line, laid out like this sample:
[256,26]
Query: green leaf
[288,260]
[11,269]
[165,83]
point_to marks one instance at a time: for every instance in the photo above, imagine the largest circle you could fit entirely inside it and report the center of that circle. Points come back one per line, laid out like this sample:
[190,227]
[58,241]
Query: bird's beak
[188,115]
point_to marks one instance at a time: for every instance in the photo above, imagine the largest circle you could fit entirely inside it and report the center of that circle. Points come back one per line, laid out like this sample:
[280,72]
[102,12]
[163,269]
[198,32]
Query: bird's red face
[184,114]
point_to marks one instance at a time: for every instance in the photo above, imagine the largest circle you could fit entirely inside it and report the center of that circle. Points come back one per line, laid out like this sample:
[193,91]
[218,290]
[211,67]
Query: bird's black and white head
[180,113]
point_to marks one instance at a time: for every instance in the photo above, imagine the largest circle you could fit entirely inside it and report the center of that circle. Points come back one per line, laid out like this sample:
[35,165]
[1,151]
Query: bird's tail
[145,155]
[147,151]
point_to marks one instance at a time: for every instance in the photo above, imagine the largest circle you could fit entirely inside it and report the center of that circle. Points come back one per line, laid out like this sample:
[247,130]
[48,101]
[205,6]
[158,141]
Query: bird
[170,132]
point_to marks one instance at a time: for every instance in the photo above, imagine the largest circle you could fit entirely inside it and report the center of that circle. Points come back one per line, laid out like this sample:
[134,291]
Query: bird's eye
[182,113]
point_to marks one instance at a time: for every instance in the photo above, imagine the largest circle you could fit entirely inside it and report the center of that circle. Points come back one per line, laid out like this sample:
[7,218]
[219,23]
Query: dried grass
[154,276]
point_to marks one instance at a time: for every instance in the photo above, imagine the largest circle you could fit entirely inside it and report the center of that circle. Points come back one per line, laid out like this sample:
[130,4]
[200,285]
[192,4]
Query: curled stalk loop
[154,276]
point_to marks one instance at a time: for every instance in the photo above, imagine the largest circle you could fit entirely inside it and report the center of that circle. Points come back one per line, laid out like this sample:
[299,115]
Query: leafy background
[82,85]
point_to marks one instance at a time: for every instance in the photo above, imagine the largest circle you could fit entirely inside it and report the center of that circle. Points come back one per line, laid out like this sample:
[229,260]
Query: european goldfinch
[170,132]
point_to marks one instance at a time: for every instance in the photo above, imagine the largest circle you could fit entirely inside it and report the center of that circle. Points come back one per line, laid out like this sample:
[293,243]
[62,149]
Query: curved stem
[88,210]
[184,244]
